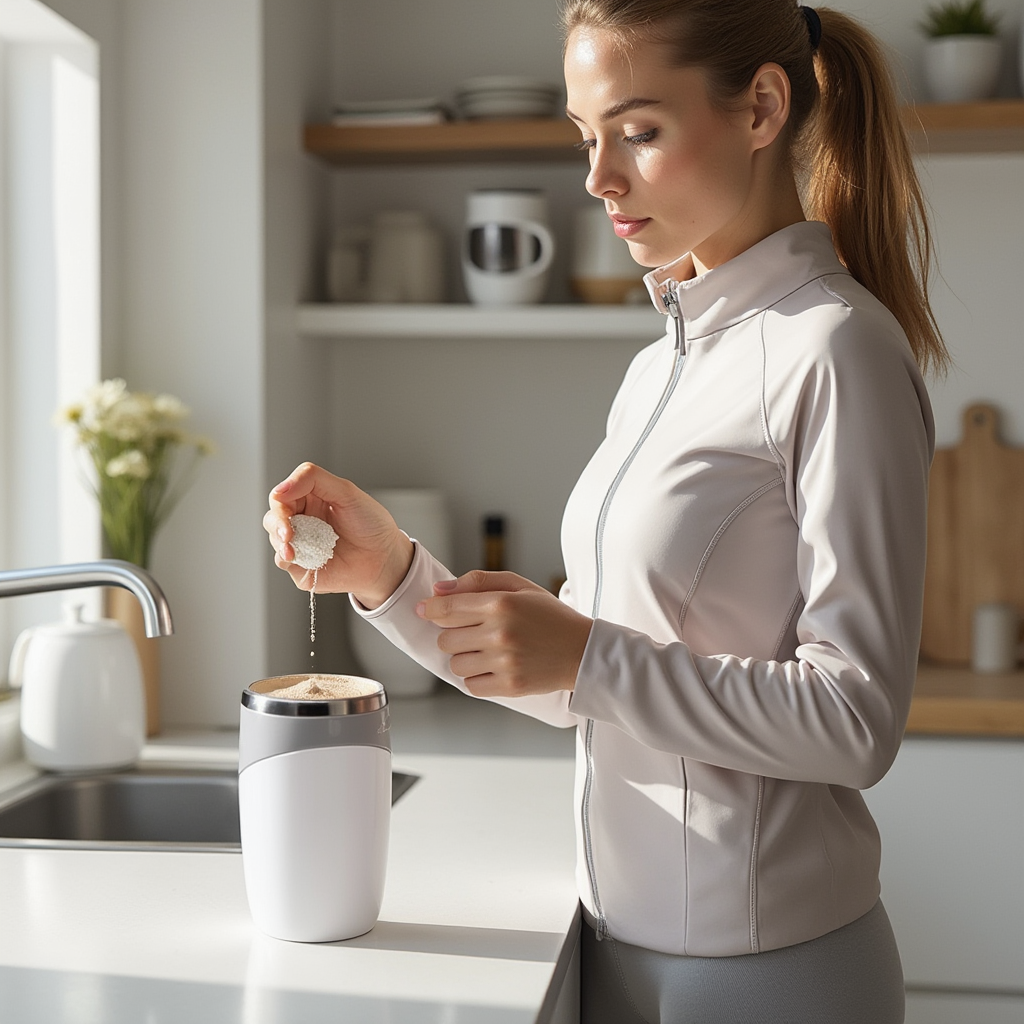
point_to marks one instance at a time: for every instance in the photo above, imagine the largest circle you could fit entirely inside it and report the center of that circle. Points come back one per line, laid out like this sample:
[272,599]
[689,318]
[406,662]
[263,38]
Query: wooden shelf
[547,139]
[991,126]
[452,320]
[952,701]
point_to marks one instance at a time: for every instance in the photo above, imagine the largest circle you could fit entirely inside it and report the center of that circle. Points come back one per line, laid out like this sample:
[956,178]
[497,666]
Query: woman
[737,639]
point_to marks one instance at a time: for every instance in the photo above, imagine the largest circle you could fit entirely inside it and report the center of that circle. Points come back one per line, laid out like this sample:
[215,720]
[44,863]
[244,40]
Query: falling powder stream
[312,611]
[313,543]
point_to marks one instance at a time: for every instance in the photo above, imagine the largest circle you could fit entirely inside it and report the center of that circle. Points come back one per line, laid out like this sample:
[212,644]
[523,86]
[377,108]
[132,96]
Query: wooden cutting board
[975,535]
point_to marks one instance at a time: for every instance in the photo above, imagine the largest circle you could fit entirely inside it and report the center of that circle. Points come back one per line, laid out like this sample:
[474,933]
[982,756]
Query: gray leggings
[850,976]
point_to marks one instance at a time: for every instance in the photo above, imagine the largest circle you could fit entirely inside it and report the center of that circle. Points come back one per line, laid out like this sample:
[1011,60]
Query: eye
[634,140]
[643,138]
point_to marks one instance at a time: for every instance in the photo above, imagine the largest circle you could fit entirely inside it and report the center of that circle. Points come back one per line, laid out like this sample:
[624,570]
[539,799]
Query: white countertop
[479,901]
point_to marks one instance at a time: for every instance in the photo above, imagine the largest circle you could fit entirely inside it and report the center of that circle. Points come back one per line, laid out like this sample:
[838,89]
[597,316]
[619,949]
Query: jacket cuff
[417,586]
[592,695]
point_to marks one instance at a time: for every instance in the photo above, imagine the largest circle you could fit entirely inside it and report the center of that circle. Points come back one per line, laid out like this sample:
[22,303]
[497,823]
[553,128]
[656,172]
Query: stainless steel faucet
[107,572]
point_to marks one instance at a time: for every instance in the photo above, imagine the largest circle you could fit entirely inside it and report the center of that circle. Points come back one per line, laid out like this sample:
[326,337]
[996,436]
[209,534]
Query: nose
[606,179]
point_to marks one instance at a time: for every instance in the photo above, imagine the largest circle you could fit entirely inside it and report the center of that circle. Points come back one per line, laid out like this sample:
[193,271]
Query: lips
[626,227]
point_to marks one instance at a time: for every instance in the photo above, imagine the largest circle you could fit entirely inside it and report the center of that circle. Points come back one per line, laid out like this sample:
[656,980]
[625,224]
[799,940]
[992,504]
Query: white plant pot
[423,515]
[959,69]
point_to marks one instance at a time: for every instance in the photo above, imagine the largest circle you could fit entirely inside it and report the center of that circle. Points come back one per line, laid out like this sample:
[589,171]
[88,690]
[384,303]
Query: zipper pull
[671,303]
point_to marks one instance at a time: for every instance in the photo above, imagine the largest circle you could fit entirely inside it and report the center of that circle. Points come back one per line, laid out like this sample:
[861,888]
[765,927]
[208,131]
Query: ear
[769,103]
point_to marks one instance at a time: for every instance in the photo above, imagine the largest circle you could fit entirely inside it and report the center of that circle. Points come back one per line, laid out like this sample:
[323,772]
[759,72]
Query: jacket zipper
[671,302]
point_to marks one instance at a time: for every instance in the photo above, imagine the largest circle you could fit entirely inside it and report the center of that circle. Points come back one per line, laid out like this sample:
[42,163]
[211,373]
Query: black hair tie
[813,25]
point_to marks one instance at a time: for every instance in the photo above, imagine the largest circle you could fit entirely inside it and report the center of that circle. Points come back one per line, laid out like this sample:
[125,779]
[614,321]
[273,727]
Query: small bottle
[494,543]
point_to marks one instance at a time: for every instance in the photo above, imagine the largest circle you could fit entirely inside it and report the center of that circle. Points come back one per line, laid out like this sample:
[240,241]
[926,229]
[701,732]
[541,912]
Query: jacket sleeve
[852,433]
[396,619]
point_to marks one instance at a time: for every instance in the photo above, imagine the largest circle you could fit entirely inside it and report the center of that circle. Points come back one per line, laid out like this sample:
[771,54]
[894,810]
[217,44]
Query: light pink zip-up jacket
[750,540]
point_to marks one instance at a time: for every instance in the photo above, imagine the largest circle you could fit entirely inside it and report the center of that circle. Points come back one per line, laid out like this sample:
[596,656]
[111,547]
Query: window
[49,294]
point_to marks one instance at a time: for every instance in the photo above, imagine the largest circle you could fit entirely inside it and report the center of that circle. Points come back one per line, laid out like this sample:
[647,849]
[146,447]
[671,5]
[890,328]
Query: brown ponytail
[863,183]
[846,129]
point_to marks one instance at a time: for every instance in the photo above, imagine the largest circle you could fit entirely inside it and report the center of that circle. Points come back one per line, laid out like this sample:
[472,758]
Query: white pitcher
[82,699]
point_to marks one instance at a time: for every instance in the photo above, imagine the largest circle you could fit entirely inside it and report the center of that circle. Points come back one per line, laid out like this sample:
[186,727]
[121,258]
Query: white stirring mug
[314,808]
[507,247]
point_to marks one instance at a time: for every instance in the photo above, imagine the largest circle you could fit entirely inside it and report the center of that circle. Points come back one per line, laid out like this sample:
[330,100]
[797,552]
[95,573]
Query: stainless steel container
[314,802]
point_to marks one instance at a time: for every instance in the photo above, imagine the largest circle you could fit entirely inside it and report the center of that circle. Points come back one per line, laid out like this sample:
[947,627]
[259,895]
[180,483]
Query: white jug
[82,700]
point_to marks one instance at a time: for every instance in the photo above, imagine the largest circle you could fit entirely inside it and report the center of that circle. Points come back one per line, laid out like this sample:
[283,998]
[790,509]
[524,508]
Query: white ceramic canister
[603,271]
[348,264]
[507,247]
[314,807]
[995,637]
[423,515]
[406,259]
[82,699]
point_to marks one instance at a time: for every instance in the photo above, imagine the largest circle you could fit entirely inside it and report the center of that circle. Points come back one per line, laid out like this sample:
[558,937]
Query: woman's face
[675,173]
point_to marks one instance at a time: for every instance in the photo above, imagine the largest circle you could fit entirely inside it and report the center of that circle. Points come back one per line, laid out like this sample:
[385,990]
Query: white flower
[129,463]
[170,408]
[131,418]
[98,402]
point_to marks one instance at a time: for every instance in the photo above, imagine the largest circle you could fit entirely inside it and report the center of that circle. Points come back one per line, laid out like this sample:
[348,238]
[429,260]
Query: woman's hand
[507,637]
[372,555]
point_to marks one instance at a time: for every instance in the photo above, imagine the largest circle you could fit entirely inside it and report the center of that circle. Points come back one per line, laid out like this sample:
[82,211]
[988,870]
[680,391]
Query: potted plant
[140,461]
[963,52]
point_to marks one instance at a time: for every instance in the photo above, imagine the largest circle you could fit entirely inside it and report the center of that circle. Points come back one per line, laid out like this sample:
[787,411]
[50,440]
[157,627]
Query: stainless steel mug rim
[259,696]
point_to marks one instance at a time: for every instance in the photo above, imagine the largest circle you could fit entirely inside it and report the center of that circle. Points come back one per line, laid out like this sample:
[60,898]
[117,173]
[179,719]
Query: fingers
[479,582]
[455,611]
[302,578]
[297,484]
[308,488]
[279,531]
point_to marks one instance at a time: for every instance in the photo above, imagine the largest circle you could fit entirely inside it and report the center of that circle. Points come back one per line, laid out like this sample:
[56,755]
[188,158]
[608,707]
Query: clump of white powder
[313,541]
[325,688]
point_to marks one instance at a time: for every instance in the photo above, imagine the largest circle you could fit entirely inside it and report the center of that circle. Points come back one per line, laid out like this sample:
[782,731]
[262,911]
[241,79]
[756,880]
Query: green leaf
[959,19]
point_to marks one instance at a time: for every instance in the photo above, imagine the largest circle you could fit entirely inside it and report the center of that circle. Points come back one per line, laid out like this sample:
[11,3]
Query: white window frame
[49,297]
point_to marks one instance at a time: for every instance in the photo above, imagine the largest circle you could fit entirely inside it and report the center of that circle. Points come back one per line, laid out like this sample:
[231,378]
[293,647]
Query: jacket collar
[748,283]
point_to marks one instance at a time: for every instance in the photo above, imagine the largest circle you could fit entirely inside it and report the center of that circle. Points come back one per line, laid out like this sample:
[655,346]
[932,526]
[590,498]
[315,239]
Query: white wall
[296,61]
[506,426]
[192,322]
[210,217]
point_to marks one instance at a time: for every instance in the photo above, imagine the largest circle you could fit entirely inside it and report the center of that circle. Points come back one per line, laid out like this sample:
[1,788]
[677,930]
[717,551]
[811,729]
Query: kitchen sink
[139,809]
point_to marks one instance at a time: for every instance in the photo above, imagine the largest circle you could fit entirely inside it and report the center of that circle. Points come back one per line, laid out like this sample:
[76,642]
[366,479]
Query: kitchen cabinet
[961,1008]
[951,817]
[954,701]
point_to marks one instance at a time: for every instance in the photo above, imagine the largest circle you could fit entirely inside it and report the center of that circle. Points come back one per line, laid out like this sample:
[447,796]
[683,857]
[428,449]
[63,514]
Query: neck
[770,207]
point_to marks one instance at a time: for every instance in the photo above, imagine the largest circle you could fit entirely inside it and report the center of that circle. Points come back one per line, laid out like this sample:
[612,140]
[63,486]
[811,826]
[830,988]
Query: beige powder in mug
[325,688]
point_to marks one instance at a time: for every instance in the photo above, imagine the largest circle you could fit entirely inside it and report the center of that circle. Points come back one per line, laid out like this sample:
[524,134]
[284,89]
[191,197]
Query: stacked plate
[507,96]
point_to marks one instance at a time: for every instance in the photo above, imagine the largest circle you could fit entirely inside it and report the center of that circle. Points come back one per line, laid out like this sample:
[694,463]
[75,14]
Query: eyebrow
[619,108]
